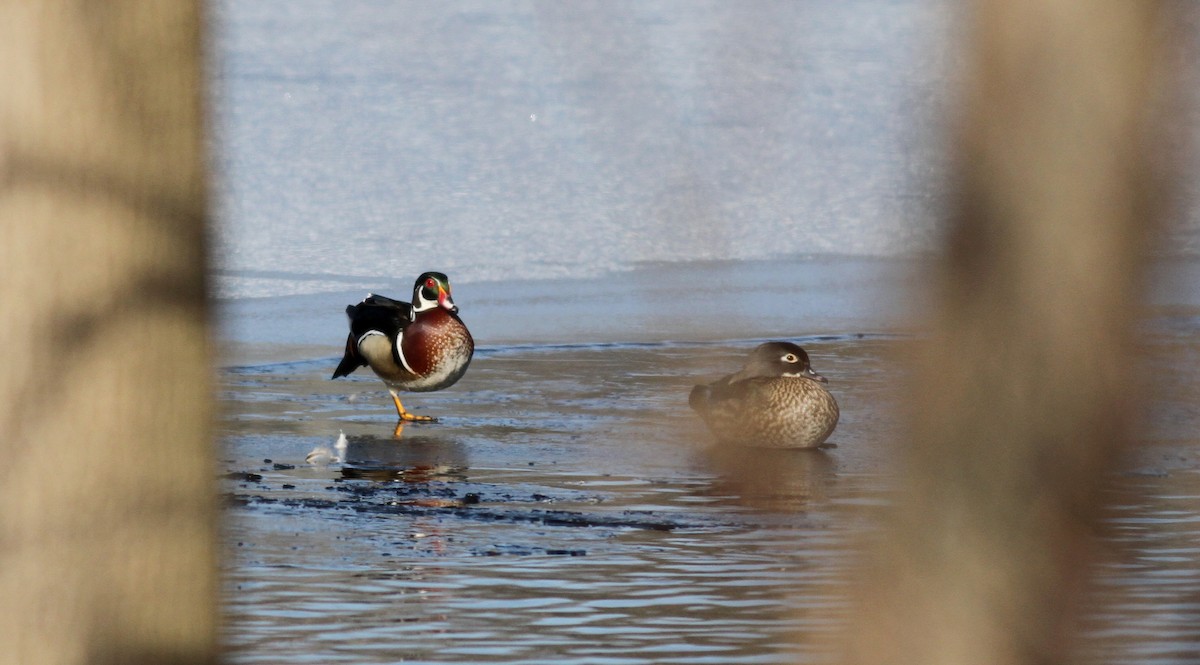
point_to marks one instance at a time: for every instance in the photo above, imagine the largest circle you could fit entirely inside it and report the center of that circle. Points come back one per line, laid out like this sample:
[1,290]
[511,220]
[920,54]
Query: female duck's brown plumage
[775,401]
[417,347]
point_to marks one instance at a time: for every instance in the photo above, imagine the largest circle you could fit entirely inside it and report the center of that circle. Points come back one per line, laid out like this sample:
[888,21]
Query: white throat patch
[420,304]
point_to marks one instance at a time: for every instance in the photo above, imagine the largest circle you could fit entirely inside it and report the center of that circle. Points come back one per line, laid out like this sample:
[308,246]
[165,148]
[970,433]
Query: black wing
[374,313]
[350,360]
[380,314]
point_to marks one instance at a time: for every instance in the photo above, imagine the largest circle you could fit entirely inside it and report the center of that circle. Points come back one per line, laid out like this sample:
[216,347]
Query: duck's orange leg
[405,415]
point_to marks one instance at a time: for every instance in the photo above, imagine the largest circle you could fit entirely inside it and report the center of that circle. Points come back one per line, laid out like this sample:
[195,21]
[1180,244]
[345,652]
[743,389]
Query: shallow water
[569,508]
[566,509]
[611,186]
[1151,579]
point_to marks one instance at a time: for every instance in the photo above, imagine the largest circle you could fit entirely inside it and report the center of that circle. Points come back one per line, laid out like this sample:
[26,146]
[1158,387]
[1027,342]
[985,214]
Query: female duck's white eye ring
[790,358]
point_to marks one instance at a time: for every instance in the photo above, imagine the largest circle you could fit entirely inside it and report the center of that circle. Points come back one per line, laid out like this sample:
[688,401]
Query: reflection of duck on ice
[420,458]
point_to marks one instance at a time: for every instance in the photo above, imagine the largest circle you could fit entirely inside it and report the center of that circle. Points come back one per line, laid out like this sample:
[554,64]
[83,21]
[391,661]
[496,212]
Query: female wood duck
[418,347]
[776,401]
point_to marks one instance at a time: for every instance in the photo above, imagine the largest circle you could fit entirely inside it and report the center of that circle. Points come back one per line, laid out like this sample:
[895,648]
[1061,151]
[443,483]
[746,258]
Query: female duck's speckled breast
[777,412]
[805,414]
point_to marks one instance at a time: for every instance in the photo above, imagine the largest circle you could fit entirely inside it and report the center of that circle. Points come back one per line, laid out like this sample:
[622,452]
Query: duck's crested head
[432,289]
[774,359]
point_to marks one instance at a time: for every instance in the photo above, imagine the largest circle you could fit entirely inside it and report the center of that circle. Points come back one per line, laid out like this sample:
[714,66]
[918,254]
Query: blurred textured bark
[107,542]
[1026,395]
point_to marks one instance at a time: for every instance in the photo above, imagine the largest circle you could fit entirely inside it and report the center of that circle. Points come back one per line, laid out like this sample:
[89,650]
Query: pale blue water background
[514,140]
[626,195]
[518,140]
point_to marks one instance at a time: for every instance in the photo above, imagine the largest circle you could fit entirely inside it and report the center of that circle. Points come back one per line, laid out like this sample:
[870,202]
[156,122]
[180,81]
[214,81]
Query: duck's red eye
[429,284]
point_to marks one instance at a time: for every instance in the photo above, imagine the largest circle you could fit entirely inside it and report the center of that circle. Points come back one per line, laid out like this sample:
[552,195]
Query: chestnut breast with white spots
[437,348]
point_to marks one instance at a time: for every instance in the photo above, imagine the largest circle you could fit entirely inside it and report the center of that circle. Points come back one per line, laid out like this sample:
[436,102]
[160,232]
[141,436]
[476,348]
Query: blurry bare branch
[108,537]
[1025,397]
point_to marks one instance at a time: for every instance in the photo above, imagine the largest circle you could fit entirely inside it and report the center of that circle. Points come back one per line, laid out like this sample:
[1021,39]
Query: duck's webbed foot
[407,416]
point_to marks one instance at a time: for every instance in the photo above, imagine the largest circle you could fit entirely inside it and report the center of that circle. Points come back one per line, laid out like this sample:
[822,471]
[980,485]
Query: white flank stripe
[400,352]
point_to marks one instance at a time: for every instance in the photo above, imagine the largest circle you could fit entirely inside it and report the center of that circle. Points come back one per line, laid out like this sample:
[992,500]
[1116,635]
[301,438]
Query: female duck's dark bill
[808,374]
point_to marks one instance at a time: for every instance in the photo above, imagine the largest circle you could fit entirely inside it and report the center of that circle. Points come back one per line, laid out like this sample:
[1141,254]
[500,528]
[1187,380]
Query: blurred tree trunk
[1027,393]
[107,550]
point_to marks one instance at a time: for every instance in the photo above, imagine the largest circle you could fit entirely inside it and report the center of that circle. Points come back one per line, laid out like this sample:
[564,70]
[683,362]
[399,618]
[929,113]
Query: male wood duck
[418,347]
[776,401]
